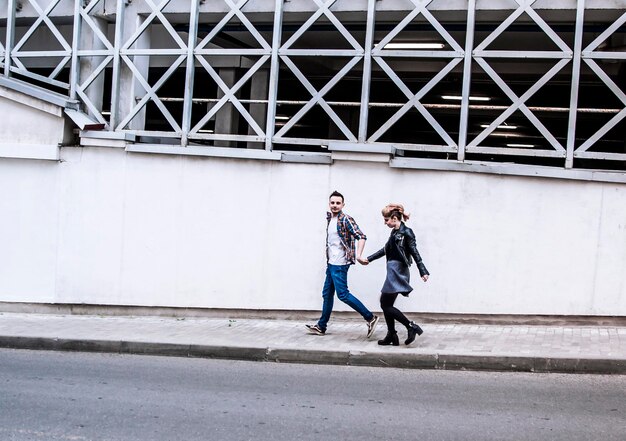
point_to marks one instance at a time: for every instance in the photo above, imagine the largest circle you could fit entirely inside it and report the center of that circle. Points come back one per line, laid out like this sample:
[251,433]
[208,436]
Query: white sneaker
[371,326]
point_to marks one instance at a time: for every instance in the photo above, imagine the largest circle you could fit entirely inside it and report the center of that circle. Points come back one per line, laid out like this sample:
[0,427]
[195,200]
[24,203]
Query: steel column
[467,79]
[117,64]
[10,40]
[578,43]
[190,71]
[274,69]
[74,74]
[367,70]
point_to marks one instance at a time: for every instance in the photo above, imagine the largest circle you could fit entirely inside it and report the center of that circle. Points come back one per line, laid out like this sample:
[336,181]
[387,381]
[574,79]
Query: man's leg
[339,274]
[328,294]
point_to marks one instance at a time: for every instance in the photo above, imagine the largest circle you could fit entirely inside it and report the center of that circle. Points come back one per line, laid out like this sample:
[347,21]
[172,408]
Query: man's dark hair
[336,193]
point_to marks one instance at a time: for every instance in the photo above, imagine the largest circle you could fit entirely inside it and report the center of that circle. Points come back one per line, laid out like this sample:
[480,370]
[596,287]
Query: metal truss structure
[102,53]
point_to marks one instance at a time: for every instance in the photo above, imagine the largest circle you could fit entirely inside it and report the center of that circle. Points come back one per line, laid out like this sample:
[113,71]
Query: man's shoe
[371,326]
[315,329]
[413,330]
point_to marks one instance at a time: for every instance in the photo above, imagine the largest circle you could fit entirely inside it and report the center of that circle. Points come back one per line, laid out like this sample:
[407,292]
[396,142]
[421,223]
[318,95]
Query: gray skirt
[398,278]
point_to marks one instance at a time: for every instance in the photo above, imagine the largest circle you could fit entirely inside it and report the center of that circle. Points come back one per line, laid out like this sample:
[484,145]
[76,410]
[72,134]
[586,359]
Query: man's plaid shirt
[348,232]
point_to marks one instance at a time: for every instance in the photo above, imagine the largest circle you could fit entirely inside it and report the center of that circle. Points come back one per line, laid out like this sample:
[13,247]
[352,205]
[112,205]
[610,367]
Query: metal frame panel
[356,54]
[126,52]
[14,64]
[121,54]
[202,55]
[481,54]
[589,55]
[379,53]
[84,19]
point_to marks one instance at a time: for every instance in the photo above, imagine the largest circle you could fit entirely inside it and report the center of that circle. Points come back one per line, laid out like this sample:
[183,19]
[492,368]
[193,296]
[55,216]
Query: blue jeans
[337,280]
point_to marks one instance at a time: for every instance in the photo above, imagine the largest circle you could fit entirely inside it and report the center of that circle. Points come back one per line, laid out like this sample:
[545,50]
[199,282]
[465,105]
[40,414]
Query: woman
[399,249]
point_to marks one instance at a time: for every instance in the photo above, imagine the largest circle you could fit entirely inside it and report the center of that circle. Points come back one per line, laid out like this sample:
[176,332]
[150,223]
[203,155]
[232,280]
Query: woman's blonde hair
[395,210]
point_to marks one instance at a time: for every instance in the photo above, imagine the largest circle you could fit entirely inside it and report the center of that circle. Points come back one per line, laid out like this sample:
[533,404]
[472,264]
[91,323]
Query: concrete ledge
[497,168]
[49,152]
[38,93]
[217,152]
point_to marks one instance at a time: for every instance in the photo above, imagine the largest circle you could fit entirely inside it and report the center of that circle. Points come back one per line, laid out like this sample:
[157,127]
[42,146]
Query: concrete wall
[31,128]
[104,226]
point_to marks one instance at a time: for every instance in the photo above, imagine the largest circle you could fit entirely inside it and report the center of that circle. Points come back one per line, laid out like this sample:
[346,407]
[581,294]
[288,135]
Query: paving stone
[445,346]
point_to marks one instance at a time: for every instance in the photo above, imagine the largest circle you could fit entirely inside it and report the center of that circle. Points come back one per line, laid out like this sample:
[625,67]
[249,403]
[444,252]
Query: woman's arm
[377,255]
[412,248]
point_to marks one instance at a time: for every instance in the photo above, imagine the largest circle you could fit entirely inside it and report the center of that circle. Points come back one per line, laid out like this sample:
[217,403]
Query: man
[341,233]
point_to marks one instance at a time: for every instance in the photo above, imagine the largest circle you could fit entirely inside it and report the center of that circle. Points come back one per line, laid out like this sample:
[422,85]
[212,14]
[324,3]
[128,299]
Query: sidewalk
[579,349]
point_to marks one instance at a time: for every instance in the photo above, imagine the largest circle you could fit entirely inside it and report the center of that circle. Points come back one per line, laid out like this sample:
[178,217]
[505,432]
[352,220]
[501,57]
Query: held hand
[425,277]
[362,260]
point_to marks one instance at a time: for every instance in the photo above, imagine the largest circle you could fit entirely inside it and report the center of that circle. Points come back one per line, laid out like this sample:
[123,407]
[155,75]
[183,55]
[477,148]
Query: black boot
[413,330]
[390,339]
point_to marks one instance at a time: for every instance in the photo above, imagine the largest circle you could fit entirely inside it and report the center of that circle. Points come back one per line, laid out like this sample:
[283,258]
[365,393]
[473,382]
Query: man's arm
[354,229]
[360,245]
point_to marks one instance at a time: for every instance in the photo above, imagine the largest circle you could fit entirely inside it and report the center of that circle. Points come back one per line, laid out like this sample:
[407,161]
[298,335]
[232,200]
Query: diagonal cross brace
[84,13]
[229,95]
[323,9]
[519,103]
[81,88]
[414,101]
[43,17]
[235,10]
[318,97]
[604,35]
[616,118]
[157,12]
[524,6]
[420,8]
[151,93]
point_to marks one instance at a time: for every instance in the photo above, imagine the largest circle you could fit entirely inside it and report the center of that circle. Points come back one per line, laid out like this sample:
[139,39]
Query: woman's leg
[386,303]
[391,312]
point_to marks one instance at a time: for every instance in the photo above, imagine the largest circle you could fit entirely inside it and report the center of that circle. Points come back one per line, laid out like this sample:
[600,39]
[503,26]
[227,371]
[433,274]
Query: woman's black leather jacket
[404,241]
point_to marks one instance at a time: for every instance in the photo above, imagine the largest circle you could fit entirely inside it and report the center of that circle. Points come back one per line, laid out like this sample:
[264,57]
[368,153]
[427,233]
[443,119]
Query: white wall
[109,227]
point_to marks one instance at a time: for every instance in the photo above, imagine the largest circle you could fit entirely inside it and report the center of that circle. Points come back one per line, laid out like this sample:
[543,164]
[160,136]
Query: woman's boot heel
[390,339]
[413,331]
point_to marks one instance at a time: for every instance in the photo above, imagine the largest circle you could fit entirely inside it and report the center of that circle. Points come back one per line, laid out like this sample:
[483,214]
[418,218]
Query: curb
[349,358]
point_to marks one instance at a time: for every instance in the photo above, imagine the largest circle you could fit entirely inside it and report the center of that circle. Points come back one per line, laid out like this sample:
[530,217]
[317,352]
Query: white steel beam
[117,65]
[190,71]
[571,124]
[367,70]
[274,73]
[467,79]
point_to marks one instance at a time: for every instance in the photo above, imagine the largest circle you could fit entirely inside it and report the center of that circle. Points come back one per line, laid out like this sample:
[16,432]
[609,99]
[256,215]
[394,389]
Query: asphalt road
[81,396]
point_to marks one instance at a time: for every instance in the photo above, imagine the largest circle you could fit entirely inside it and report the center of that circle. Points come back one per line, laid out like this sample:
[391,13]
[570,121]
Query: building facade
[142,137]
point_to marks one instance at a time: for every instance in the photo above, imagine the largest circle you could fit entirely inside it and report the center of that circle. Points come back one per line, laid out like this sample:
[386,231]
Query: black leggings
[391,312]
